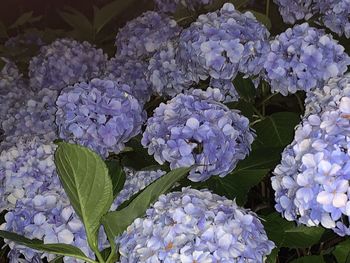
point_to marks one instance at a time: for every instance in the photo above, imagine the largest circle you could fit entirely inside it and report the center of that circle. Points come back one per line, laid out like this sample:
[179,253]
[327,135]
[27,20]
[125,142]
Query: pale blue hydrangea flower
[35,116]
[195,226]
[303,58]
[223,43]
[170,6]
[26,169]
[65,62]
[337,17]
[165,74]
[100,114]
[294,10]
[132,72]
[135,182]
[144,35]
[190,130]
[312,182]
[227,89]
[328,97]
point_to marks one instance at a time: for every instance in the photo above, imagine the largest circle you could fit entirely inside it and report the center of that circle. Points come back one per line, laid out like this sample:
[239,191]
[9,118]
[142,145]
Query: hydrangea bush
[193,131]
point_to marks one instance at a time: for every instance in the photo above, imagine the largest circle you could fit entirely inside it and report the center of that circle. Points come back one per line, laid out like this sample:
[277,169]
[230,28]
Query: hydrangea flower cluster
[223,43]
[189,130]
[195,226]
[170,6]
[337,17]
[65,62]
[328,97]
[165,74]
[101,115]
[303,58]
[135,182]
[35,117]
[133,73]
[312,182]
[144,35]
[295,10]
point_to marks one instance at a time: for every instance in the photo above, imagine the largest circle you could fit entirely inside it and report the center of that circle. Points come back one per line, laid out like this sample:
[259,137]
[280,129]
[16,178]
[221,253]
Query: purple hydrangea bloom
[303,58]
[144,35]
[170,6]
[133,73]
[294,10]
[312,182]
[195,226]
[135,182]
[31,38]
[100,115]
[165,74]
[328,97]
[223,43]
[337,17]
[65,62]
[227,89]
[35,116]
[190,130]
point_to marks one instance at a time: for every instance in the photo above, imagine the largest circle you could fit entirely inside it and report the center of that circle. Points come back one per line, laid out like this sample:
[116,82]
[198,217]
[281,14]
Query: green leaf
[3,30]
[117,175]
[272,258]
[23,19]
[104,15]
[85,179]
[287,234]
[309,259]
[245,88]
[79,22]
[57,260]
[116,222]
[342,252]
[58,249]
[276,130]
[262,18]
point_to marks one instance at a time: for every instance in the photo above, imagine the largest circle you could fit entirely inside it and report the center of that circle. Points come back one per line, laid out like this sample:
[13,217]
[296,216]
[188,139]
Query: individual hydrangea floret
[312,182]
[190,130]
[35,116]
[135,182]
[328,97]
[223,43]
[170,6]
[65,62]
[165,74]
[26,169]
[195,226]
[303,58]
[144,35]
[226,88]
[133,73]
[100,115]
[337,17]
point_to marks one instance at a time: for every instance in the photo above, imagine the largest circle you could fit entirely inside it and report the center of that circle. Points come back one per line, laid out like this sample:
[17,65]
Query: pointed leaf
[342,251]
[85,179]
[23,19]
[57,260]
[117,175]
[59,249]
[116,222]
[79,22]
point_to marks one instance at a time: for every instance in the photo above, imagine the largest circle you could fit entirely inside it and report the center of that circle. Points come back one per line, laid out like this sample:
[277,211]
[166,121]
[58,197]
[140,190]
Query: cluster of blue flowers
[221,44]
[65,62]
[312,182]
[303,58]
[170,6]
[334,14]
[144,35]
[100,114]
[189,130]
[195,226]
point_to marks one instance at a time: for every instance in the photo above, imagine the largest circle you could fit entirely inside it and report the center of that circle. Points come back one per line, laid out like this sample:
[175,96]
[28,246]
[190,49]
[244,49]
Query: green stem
[267,8]
[301,105]
[267,99]
[258,113]
[99,256]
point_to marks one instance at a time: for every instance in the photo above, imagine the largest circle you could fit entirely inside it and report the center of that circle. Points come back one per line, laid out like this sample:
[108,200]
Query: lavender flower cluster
[170,6]
[144,35]
[312,182]
[195,226]
[65,62]
[101,115]
[189,130]
[334,14]
[303,58]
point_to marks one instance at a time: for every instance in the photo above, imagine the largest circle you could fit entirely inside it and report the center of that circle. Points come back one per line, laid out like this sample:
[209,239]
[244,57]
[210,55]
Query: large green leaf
[23,19]
[342,252]
[245,88]
[276,130]
[287,234]
[309,259]
[117,175]
[85,179]
[272,258]
[58,249]
[116,222]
